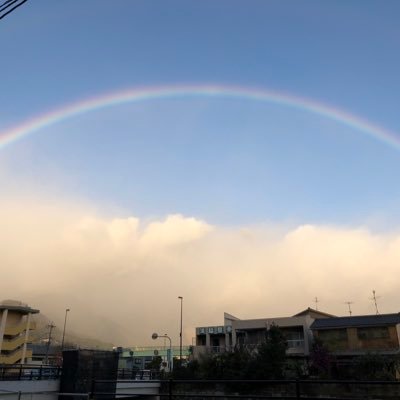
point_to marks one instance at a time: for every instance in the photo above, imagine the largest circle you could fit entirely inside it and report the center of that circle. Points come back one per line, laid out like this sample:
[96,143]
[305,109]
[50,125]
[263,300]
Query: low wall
[30,390]
[49,389]
[138,388]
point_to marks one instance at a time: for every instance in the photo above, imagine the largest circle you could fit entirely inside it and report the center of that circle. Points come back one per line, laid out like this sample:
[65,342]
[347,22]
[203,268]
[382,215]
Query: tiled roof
[356,321]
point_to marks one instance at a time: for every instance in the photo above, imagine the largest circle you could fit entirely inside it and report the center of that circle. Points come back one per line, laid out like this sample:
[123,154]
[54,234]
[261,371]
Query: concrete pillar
[233,337]
[227,342]
[307,340]
[3,326]
[352,339]
[398,334]
[28,322]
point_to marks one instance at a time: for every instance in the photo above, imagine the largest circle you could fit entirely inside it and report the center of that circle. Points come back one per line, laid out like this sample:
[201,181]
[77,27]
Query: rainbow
[30,126]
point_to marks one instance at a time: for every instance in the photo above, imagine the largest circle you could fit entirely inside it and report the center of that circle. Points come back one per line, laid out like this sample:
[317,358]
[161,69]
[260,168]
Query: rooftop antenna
[316,303]
[374,298]
[349,303]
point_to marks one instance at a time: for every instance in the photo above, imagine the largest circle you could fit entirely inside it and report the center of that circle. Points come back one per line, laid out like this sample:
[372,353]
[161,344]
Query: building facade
[351,336]
[251,332]
[140,357]
[15,326]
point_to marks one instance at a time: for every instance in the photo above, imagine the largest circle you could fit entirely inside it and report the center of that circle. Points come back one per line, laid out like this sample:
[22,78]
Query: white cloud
[58,254]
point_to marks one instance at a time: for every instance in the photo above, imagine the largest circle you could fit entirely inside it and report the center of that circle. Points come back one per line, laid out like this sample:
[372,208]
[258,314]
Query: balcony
[14,357]
[17,329]
[13,343]
[295,346]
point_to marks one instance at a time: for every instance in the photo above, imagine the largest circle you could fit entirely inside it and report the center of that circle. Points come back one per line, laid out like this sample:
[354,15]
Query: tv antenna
[375,298]
[316,301]
[349,303]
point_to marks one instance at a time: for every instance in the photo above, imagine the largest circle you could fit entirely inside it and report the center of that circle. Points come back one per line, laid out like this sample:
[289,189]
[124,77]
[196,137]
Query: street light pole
[155,336]
[180,333]
[65,324]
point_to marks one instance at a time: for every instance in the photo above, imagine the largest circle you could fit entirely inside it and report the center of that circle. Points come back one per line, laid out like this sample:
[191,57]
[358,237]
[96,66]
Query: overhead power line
[7,4]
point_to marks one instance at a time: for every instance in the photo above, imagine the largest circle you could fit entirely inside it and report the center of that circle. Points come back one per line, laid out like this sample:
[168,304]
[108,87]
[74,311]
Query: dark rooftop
[356,321]
[13,305]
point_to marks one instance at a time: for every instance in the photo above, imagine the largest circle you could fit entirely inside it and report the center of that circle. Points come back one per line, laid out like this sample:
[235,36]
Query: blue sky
[226,161]
[217,163]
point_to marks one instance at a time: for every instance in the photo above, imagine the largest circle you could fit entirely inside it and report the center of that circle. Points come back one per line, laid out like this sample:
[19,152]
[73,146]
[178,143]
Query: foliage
[155,363]
[270,356]
[320,360]
[374,366]
[226,365]
[187,371]
[267,361]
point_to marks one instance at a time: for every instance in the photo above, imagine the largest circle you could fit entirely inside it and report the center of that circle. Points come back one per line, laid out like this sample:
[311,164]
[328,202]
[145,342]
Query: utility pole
[180,333]
[51,326]
[65,324]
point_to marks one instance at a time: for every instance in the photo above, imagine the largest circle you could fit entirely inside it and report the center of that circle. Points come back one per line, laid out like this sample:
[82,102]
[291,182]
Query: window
[379,332]
[333,335]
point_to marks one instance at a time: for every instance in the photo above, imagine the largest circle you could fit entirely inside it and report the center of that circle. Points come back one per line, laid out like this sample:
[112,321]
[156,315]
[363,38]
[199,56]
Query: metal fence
[19,372]
[266,389]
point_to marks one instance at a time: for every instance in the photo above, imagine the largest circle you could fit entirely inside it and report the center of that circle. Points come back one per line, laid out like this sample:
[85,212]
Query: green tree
[155,363]
[373,366]
[320,360]
[270,357]
[189,370]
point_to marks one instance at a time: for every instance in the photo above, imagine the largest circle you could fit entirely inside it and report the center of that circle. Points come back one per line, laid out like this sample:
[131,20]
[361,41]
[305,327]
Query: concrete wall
[30,390]
[48,389]
[138,387]
[14,318]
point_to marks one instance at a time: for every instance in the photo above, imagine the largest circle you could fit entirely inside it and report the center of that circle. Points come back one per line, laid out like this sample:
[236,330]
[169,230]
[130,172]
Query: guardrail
[267,389]
[23,372]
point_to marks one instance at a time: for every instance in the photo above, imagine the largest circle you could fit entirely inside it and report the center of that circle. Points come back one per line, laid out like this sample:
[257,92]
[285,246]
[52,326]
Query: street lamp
[155,336]
[180,333]
[65,324]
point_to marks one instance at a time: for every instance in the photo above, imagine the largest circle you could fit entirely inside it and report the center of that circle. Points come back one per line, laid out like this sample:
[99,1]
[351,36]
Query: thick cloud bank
[121,276]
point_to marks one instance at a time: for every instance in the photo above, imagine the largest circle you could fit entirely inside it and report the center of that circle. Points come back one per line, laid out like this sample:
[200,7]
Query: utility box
[84,370]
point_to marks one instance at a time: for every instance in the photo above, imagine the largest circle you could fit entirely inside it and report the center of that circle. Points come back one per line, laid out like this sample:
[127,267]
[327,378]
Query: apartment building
[251,332]
[15,326]
[351,336]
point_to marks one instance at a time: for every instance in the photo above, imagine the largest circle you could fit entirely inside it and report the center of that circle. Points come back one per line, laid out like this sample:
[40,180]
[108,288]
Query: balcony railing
[295,344]
[14,357]
[14,343]
[17,329]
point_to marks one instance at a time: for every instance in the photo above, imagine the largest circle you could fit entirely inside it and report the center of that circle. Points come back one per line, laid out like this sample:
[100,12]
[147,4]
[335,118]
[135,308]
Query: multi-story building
[15,326]
[352,336]
[251,332]
[141,357]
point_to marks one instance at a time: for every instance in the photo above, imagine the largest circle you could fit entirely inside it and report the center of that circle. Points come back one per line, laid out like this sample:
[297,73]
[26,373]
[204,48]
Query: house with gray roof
[355,335]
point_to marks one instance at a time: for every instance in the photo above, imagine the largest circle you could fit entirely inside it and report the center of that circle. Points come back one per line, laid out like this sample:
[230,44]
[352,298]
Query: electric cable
[10,11]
